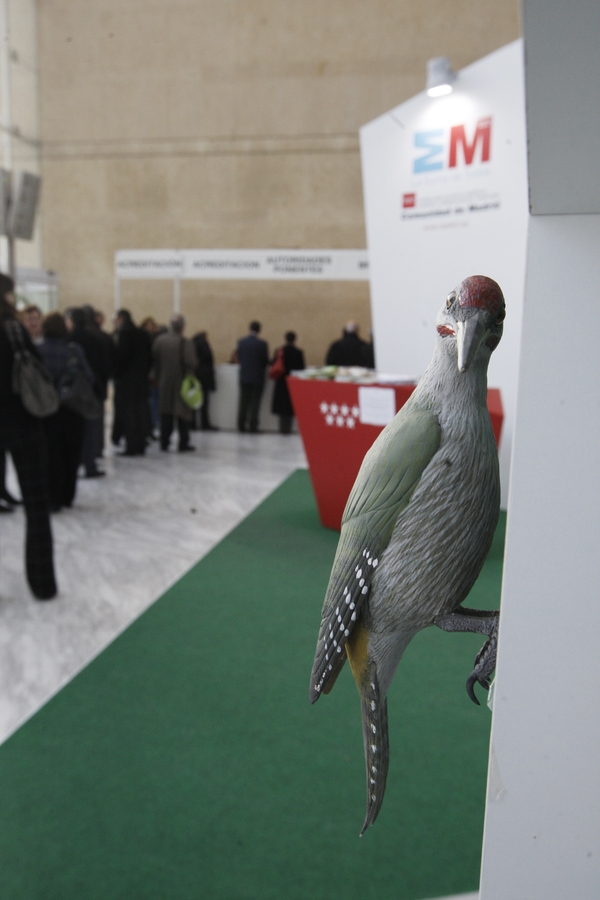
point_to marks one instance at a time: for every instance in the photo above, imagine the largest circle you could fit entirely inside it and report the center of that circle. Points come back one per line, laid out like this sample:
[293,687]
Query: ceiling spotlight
[440,76]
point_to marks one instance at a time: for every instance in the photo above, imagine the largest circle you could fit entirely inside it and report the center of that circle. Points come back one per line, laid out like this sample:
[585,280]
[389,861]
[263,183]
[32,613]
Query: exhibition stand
[339,421]
[445,187]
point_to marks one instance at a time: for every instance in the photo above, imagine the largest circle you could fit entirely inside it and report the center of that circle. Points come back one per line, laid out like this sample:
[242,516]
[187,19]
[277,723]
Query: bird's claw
[482,623]
[485,663]
[472,680]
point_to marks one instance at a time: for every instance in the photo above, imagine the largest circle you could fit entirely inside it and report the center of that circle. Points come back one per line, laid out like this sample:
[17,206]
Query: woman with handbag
[65,429]
[288,358]
[23,435]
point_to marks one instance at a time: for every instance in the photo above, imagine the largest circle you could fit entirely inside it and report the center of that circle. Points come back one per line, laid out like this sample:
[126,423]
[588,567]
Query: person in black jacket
[96,321]
[22,434]
[64,429]
[349,351]
[293,360]
[253,357]
[83,331]
[132,364]
[205,373]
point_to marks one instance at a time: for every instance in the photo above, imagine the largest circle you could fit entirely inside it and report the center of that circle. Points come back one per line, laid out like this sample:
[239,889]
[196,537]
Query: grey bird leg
[479,622]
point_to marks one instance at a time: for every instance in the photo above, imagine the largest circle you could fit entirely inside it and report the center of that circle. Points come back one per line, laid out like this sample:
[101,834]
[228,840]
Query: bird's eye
[450,299]
[501,316]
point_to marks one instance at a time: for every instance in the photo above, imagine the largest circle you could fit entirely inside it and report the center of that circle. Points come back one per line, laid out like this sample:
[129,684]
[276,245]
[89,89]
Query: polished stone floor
[128,537]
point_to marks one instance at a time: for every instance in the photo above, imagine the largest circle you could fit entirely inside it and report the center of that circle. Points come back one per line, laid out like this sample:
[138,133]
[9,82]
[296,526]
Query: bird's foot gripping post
[479,622]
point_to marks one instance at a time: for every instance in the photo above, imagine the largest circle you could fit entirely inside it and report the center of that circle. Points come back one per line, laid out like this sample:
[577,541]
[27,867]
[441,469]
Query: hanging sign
[148,264]
[23,203]
[293,265]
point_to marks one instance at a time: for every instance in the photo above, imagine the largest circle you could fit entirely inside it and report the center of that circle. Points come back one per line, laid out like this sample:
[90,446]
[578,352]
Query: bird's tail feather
[376,742]
[337,668]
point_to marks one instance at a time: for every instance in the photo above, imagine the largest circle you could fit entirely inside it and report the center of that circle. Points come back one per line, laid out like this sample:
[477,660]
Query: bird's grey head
[472,318]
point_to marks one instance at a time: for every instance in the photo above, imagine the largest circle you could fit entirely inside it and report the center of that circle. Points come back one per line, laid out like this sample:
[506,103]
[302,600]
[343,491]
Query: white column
[542,836]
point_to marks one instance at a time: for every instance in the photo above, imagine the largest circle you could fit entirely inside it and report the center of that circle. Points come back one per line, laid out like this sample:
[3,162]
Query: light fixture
[440,76]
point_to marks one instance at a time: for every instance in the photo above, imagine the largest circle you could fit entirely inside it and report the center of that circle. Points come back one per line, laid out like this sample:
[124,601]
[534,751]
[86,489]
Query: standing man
[174,358]
[205,373]
[253,357]
[132,363]
[83,331]
[350,350]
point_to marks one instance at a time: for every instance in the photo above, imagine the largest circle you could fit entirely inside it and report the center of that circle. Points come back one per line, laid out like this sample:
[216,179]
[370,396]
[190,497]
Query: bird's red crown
[482,293]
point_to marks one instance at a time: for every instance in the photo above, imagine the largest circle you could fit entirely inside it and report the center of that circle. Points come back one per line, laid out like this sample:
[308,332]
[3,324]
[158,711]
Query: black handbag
[31,380]
[75,388]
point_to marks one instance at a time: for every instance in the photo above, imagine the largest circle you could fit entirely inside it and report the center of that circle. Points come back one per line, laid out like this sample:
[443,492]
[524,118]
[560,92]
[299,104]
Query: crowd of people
[147,365]
[72,353]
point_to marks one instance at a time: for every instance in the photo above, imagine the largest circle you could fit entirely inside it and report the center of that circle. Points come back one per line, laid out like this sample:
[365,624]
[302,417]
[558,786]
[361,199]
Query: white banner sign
[149,264]
[294,265]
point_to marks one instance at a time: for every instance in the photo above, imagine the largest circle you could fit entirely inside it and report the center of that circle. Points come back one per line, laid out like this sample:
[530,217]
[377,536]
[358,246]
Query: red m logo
[458,137]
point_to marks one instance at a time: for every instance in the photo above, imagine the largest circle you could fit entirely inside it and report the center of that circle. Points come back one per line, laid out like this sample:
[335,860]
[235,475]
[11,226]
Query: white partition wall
[445,187]
[542,828]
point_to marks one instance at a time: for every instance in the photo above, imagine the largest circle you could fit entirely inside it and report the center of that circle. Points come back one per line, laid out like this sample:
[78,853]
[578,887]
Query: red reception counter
[336,439]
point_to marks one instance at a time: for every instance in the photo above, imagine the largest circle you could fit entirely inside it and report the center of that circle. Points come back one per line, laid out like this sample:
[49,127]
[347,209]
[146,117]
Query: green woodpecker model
[418,524]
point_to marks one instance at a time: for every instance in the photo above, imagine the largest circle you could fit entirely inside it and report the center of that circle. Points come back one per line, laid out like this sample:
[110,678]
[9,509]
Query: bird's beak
[470,335]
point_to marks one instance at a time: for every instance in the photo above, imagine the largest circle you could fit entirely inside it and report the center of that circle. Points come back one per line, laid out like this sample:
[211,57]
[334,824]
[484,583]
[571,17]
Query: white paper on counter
[377,405]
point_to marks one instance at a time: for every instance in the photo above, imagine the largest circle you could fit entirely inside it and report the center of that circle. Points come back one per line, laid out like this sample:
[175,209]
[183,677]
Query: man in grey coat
[174,358]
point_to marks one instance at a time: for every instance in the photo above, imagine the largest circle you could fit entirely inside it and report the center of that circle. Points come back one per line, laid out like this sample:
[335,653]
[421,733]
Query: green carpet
[186,762]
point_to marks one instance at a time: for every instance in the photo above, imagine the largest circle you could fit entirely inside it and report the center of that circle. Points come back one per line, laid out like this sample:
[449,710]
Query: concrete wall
[228,124]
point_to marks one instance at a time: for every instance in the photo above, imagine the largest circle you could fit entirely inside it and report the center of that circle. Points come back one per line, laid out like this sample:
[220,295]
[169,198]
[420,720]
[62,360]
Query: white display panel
[445,189]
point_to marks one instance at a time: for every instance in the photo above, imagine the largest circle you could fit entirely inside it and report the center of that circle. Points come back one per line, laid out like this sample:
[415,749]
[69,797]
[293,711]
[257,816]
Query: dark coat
[10,403]
[205,370]
[369,356]
[253,356]
[22,434]
[132,362]
[95,353]
[56,353]
[109,349]
[349,351]
[293,359]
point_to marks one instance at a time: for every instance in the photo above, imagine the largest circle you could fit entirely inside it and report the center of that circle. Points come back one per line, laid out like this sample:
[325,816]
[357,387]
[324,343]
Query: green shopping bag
[191,392]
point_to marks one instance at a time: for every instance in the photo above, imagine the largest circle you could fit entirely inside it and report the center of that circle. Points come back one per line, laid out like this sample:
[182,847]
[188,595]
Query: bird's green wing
[387,479]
